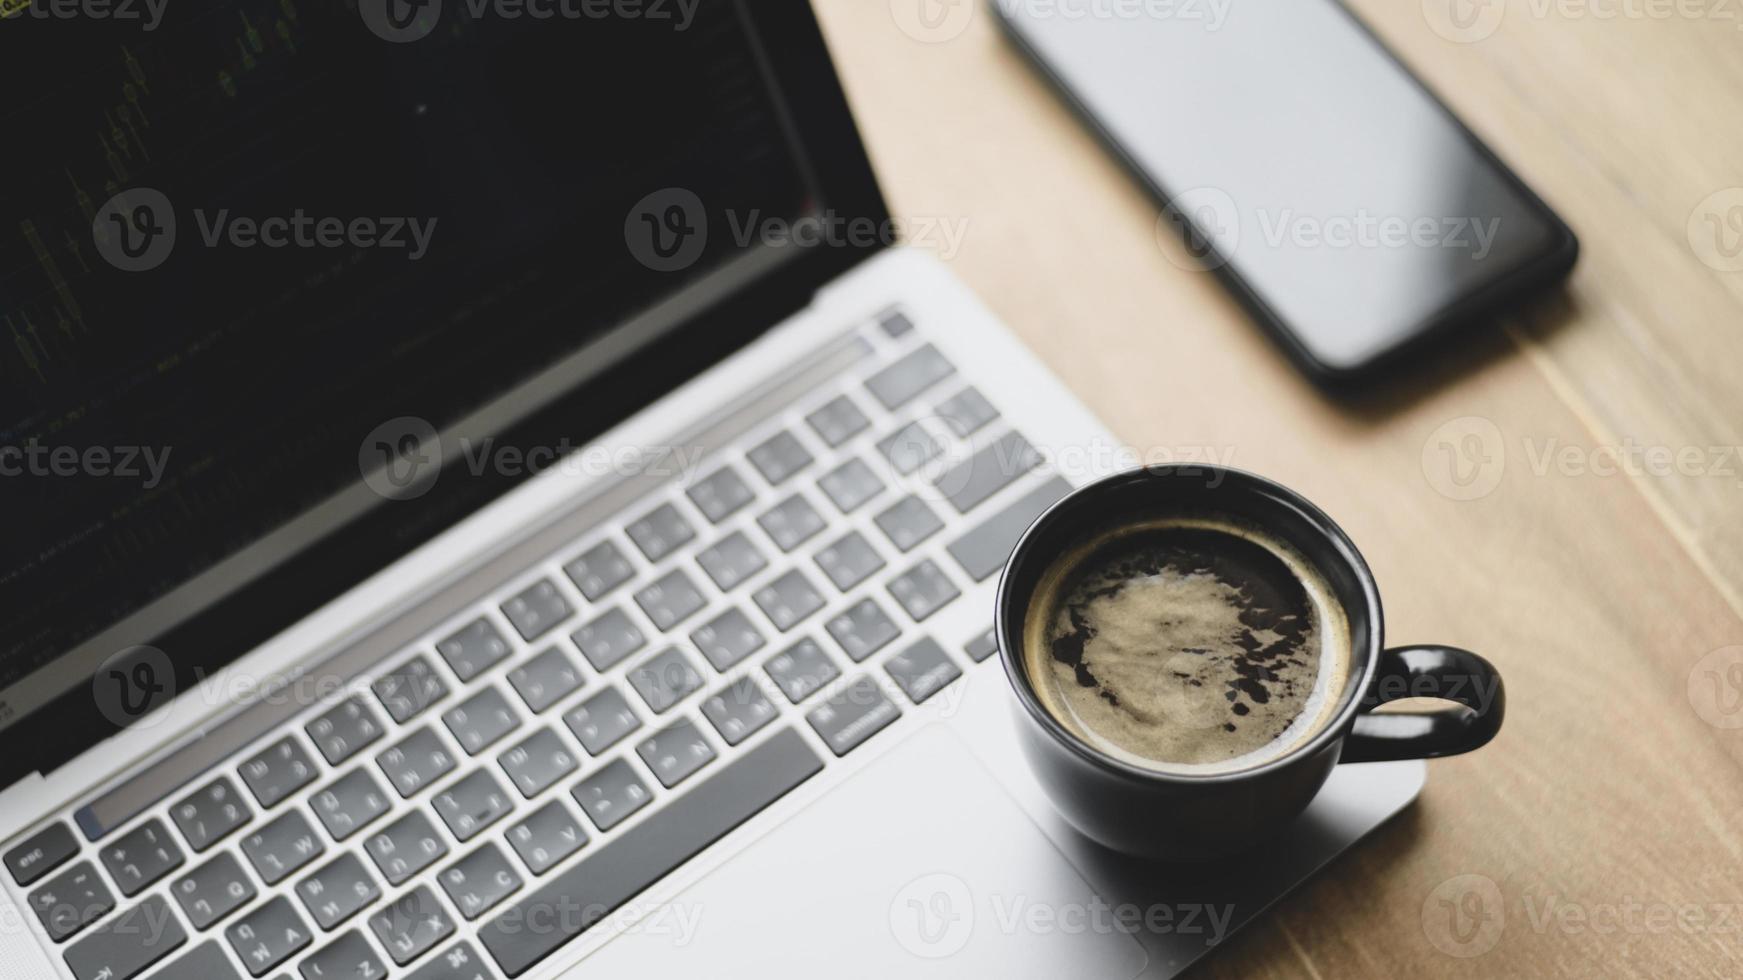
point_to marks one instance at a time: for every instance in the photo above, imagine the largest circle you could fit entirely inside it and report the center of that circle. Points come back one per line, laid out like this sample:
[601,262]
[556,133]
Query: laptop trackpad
[919,866]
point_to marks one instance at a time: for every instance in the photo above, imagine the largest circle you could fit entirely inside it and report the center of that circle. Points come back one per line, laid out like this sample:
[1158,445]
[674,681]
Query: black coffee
[1198,645]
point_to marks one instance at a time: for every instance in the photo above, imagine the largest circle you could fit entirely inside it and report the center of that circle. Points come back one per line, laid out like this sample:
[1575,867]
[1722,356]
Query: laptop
[491,498]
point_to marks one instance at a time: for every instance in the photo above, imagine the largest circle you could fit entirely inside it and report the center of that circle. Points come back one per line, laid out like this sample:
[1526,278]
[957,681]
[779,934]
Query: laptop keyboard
[485,799]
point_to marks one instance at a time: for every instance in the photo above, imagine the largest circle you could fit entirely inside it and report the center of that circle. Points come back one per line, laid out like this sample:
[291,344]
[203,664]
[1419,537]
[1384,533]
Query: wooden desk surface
[1602,833]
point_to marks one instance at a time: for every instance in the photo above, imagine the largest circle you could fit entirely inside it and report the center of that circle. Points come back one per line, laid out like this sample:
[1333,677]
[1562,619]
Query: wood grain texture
[1608,816]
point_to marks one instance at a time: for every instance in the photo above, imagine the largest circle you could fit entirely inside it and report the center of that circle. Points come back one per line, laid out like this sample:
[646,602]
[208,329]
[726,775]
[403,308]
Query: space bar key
[539,924]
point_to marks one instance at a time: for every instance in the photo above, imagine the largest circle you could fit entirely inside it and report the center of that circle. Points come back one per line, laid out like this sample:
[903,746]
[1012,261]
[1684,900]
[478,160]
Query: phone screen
[1351,209]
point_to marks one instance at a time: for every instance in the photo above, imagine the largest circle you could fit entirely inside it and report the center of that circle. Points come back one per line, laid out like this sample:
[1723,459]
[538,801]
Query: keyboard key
[537,610]
[739,710]
[458,962]
[996,466]
[609,639]
[477,722]
[788,600]
[409,689]
[346,958]
[622,869]
[277,772]
[405,847]
[731,560]
[863,629]
[982,647]
[268,936]
[350,803]
[779,457]
[71,900]
[142,857]
[338,891]
[922,670]
[721,495]
[801,670]
[602,720]
[676,753]
[538,762]
[966,412]
[546,679]
[547,837]
[923,590]
[418,760]
[473,649]
[903,381]
[849,561]
[44,851]
[907,522]
[837,421]
[984,550]
[128,944]
[670,600]
[480,881]
[205,962]
[909,447]
[850,485]
[411,925]
[212,891]
[895,324]
[612,794]
[210,814]
[791,522]
[472,804]
[344,730]
[727,639]
[600,569]
[281,847]
[660,532]
[665,679]
[845,720]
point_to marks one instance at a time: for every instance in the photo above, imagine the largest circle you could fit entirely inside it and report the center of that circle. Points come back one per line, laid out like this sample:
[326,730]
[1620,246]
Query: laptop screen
[257,254]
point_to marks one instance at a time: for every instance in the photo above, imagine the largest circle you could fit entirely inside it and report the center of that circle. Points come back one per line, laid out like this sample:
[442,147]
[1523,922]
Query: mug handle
[1443,673]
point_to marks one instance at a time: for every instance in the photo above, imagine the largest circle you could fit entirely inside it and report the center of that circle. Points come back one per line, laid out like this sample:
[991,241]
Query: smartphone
[1351,212]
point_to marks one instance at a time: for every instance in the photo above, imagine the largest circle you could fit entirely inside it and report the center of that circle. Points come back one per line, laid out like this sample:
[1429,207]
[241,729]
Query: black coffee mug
[1183,817]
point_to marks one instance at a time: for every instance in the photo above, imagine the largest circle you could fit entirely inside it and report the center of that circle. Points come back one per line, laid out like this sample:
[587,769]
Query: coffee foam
[1188,645]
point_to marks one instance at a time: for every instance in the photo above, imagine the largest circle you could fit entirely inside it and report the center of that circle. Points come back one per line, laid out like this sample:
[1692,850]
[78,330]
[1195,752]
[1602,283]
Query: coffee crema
[1187,645]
